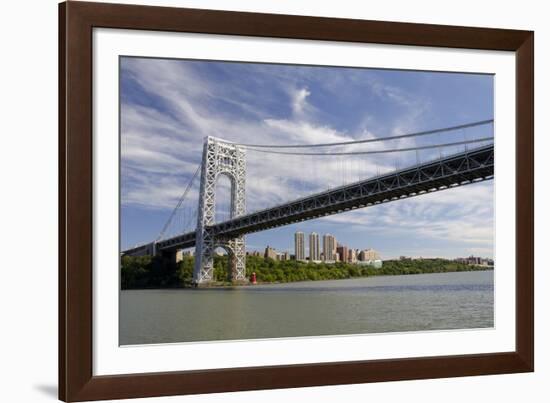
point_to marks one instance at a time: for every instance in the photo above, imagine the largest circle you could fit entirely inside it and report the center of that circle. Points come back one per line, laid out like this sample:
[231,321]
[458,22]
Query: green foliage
[268,270]
[152,272]
[135,271]
[185,271]
[149,272]
[418,266]
[221,273]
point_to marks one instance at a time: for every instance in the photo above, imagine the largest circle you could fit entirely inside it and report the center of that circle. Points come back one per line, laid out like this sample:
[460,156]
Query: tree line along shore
[148,272]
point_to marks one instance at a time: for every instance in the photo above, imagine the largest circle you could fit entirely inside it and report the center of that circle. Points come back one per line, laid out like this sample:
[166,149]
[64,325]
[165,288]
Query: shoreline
[228,285]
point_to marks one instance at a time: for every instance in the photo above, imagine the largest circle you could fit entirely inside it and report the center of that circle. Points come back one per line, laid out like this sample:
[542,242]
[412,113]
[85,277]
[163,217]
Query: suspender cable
[180,201]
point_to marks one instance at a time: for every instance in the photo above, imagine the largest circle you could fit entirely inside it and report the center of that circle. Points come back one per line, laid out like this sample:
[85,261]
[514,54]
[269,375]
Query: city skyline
[357,246]
[333,245]
[168,106]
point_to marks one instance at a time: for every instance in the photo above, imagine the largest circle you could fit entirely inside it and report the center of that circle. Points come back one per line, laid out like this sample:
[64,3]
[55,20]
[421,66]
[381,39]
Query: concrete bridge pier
[168,258]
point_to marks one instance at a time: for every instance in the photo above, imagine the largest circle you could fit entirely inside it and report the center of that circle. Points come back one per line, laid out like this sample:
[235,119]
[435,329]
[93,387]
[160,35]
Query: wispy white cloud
[299,100]
[163,131]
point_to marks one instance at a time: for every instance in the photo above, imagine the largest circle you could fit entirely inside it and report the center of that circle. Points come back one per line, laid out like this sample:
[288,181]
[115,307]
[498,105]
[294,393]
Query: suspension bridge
[470,160]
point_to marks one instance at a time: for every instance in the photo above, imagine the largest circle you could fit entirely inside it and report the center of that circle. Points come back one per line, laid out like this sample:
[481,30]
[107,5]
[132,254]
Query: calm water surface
[364,305]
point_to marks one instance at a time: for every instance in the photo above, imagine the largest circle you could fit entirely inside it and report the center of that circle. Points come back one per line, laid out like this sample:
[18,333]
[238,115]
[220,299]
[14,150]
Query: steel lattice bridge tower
[223,158]
[220,158]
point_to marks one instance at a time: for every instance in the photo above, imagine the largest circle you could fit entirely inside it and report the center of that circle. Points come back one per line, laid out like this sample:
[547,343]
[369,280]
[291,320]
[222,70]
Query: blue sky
[169,106]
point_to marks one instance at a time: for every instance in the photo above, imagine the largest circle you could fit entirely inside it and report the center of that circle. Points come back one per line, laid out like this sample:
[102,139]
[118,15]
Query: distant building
[343,253]
[270,253]
[314,252]
[329,248]
[180,254]
[368,255]
[475,260]
[253,253]
[352,256]
[283,256]
[299,246]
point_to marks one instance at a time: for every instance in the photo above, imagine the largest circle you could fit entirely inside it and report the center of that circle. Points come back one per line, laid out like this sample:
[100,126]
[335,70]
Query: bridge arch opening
[224,263]
[224,197]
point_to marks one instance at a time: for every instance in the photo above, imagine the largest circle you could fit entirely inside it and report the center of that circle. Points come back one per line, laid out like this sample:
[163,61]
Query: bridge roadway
[464,168]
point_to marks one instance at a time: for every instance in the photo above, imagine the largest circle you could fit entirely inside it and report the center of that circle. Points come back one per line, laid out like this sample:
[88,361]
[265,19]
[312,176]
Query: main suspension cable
[402,136]
[393,150]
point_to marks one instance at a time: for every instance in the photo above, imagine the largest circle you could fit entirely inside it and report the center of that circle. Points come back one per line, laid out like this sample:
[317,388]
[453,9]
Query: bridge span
[460,169]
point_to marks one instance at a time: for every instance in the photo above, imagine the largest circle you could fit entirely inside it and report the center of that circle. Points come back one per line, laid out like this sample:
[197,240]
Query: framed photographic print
[253,201]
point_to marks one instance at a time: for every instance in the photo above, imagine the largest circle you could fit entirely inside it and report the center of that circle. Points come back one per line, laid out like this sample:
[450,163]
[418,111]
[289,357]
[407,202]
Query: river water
[439,301]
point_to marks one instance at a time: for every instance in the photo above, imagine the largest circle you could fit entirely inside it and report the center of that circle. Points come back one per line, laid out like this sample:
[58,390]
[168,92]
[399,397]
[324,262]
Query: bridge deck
[460,169]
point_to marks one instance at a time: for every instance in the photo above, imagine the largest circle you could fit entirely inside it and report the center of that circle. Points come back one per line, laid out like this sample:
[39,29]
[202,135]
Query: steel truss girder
[464,168]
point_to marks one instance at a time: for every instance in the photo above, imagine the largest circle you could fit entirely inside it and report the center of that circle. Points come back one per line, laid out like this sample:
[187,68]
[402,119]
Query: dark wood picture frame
[76,23]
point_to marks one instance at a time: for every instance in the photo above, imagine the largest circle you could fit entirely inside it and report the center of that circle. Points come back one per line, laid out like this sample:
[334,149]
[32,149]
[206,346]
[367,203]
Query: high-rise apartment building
[329,248]
[352,256]
[343,253]
[314,252]
[299,246]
